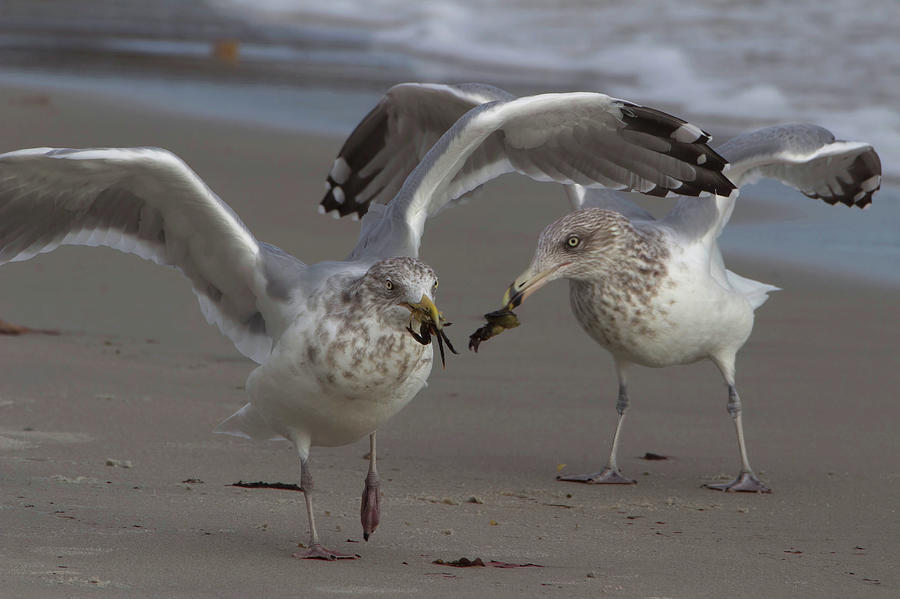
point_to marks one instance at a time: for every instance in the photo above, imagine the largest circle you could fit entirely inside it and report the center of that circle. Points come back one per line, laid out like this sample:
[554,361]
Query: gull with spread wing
[652,292]
[657,293]
[341,345]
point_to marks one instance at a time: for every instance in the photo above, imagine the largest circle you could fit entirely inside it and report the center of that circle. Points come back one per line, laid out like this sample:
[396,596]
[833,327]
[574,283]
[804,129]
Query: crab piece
[427,329]
[497,322]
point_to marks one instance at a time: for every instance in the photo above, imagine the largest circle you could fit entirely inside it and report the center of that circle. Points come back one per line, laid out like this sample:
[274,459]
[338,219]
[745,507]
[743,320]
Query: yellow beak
[526,284]
[426,308]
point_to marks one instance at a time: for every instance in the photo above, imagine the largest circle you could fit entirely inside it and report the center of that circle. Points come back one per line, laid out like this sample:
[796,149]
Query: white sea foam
[823,61]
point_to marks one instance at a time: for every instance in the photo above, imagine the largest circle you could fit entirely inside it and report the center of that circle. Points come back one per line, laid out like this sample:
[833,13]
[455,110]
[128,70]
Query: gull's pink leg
[370,508]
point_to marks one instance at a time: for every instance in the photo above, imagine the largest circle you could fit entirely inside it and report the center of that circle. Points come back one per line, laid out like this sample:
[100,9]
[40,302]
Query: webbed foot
[316,551]
[607,476]
[746,482]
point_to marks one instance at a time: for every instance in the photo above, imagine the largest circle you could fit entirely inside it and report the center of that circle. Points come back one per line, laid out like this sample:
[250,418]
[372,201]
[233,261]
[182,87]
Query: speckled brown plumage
[359,344]
[620,304]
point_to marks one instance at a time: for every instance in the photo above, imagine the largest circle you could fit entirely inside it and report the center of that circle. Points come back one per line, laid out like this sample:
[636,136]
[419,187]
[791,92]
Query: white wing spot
[338,194]
[340,170]
[321,209]
[687,133]
[871,183]
[701,159]
[335,214]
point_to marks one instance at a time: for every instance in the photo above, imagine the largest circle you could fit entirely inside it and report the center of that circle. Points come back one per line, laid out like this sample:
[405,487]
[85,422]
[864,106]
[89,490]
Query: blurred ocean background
[726,65]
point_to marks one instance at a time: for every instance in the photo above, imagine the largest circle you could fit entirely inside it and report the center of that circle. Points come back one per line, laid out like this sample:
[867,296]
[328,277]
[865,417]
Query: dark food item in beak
[426,330]
[497,322]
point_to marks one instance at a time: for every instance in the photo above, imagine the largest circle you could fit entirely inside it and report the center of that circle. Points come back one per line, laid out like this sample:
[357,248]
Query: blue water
[304,109]
[859,243]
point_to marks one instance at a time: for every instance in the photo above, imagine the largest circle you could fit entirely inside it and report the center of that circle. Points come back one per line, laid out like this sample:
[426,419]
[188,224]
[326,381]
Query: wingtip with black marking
[864,180]
[688,143]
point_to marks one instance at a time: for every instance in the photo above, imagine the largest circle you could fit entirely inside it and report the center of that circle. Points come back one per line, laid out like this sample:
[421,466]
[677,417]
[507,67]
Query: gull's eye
[435,285]
[389,284]
[573,241]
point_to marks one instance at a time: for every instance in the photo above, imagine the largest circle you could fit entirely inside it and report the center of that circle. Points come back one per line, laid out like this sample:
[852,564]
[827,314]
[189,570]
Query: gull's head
[577,246]
[405,283]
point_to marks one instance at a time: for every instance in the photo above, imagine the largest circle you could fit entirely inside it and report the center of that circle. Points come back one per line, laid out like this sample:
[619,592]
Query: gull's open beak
[527,283]
[426,308]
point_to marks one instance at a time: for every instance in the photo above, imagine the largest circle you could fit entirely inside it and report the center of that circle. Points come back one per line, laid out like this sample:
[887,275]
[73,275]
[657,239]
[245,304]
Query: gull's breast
[664,323]
[337,380]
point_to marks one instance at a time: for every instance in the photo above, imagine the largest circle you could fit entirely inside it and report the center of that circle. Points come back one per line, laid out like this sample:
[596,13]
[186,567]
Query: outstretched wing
[394,137]
[808,158]
[146,201]
[805,157]
[584,138]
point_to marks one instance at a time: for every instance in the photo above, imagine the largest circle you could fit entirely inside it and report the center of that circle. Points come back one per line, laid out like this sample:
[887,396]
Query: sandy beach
[113,484]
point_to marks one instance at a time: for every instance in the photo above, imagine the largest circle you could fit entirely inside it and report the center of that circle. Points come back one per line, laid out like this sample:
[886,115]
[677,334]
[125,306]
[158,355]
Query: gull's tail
[249,424]
[756,293]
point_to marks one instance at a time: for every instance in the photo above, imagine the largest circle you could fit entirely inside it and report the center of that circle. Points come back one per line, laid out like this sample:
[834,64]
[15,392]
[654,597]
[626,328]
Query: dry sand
[138,378]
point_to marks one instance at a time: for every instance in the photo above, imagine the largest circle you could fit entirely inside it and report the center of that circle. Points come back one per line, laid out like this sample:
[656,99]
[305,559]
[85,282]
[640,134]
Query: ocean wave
[755,64]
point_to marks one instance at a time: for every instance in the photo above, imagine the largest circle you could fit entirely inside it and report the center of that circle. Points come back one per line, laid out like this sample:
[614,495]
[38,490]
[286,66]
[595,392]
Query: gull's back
[690,231]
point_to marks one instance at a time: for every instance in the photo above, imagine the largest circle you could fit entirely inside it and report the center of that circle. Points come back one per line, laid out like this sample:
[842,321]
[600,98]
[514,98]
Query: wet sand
[138,379]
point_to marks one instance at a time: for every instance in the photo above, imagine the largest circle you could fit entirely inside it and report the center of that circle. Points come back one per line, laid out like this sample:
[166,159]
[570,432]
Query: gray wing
[391,140]
[584,138]
[808,158]
[805,157]
[147,202]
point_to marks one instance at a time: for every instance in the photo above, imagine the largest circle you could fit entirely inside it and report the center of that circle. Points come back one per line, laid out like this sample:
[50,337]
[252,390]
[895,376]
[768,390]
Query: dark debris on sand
[465,562]
[263,485]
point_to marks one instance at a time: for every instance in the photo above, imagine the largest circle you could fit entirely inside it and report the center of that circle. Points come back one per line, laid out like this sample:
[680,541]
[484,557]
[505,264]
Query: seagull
[333,340]
[342,346]
[652,292]
[657,293]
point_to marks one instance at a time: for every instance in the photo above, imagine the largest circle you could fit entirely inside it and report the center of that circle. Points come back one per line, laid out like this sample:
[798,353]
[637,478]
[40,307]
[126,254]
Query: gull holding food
[652,292]
[657,293]
[335,341]
[342,346]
